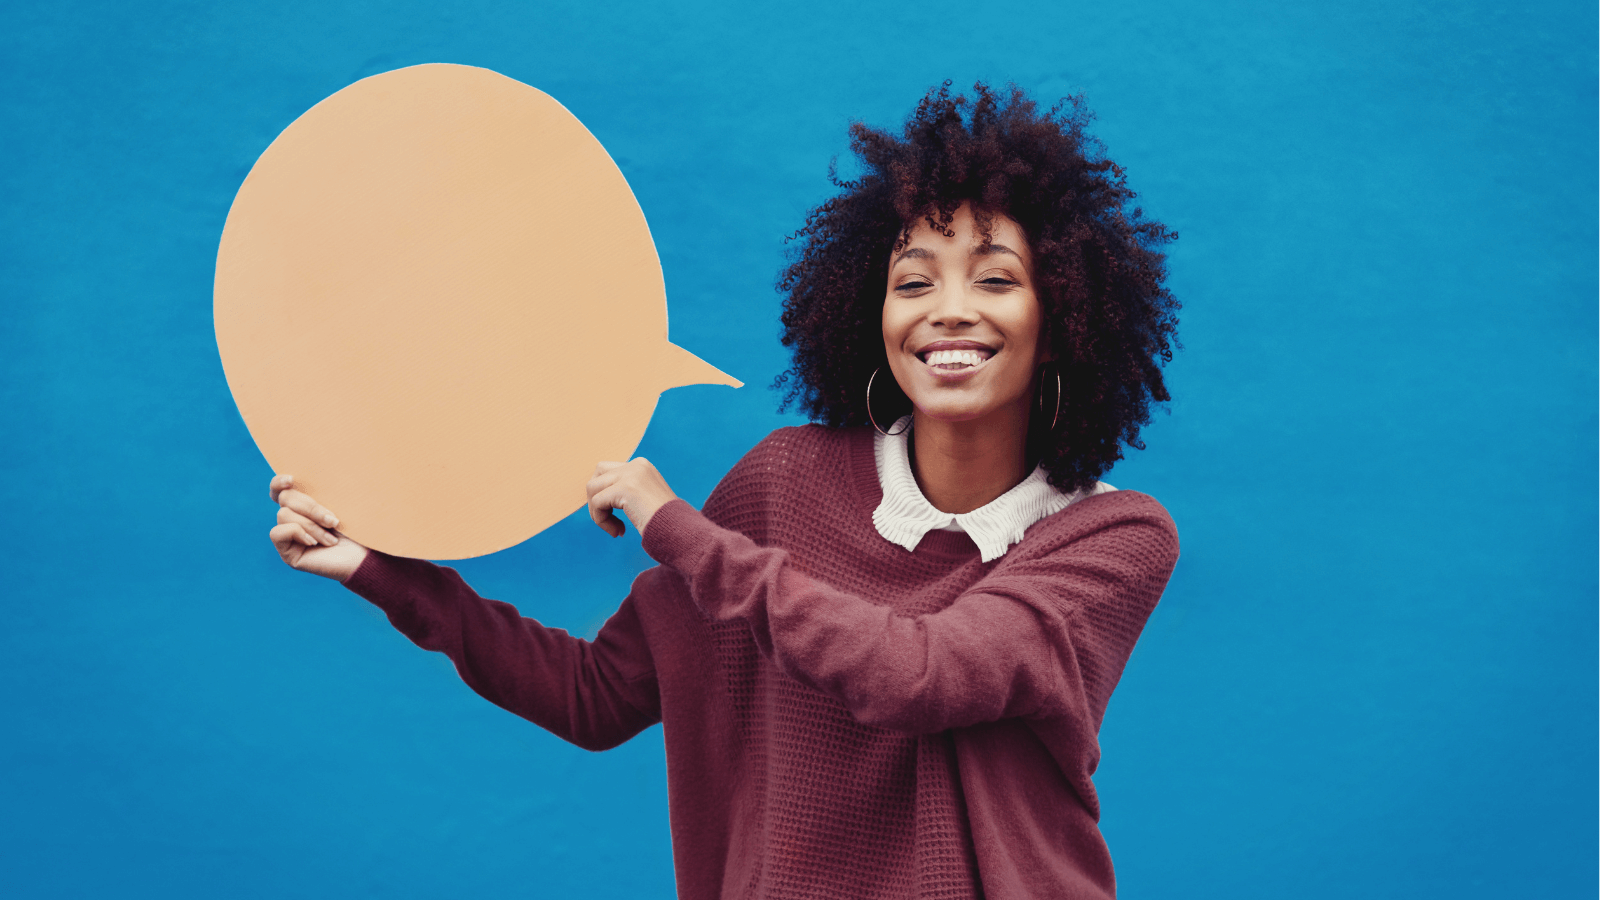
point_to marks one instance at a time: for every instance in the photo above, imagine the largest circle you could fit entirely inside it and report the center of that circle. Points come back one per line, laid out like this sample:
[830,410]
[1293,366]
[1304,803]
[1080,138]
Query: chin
[953,412]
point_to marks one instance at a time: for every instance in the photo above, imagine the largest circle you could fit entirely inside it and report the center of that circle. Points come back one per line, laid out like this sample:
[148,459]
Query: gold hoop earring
[870,417]
[1057,415]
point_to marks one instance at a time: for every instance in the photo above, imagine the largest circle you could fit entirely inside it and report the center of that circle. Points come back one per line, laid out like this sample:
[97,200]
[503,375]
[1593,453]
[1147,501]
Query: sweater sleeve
[1045,636]
[593,694]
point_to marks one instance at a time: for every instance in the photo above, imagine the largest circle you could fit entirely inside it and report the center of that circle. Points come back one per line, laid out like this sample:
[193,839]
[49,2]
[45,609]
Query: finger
[288,535]
[601,468]
[609,523]
[303,504]
[324,536]
[600,506]
[278,484]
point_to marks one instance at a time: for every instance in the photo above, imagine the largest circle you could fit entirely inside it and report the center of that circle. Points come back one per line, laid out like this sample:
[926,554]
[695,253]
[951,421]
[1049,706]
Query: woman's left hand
[635,487]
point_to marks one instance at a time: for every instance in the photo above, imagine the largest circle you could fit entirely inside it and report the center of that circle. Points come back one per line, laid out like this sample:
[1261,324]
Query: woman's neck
[961,466]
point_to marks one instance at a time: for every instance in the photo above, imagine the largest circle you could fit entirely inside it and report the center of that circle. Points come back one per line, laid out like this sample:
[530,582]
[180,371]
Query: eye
[998,281]
[912,285]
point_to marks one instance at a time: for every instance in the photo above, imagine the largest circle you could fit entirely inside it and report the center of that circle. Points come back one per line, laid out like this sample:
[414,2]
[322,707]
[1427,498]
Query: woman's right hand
[305,535]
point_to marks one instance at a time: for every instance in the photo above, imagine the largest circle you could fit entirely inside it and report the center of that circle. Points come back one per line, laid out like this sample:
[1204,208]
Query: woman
[882,652]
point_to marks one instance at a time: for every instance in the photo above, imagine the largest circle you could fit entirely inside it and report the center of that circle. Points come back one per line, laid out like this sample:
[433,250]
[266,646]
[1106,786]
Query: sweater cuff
[679,536]
[381,579]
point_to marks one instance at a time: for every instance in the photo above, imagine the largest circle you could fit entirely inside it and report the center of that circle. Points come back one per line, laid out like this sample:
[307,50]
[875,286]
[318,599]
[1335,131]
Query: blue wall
[1373,673]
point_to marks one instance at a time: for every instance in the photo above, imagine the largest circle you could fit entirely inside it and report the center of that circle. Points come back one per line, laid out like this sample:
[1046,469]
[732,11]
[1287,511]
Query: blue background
[1374,672]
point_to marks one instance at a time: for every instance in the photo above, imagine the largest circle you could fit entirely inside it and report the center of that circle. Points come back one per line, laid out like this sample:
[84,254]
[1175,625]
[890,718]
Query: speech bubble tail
[678,367]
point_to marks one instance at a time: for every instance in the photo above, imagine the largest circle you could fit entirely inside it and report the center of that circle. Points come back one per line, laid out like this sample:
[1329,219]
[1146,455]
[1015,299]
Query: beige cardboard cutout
[438,306]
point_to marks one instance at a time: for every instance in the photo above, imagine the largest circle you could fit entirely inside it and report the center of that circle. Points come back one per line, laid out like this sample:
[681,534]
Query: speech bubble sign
[438,306]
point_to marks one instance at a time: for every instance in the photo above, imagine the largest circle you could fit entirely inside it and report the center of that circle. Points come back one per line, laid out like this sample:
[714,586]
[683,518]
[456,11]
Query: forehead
[967,239]
[966,232]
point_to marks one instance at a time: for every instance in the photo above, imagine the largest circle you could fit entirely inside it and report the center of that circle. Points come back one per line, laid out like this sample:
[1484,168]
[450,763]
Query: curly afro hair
[1109,322]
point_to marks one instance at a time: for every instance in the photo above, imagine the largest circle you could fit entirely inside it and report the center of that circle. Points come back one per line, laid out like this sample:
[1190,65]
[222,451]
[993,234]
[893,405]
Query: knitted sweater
[843,718]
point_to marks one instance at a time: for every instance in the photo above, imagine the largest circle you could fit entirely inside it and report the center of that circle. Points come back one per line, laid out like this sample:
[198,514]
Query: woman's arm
[1041,636]
[593,694]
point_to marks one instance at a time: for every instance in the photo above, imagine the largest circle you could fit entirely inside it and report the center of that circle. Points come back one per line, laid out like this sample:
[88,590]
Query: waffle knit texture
[843,718]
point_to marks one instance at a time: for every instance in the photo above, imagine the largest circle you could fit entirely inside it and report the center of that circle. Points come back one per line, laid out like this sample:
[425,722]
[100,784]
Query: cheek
[896,330]
[893,330]
[1032,330]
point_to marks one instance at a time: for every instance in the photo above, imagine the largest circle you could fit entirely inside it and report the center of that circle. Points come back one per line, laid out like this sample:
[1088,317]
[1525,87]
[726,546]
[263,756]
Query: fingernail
[332,522]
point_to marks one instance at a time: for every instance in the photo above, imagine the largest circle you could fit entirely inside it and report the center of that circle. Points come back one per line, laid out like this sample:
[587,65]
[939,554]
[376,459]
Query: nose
[953,306]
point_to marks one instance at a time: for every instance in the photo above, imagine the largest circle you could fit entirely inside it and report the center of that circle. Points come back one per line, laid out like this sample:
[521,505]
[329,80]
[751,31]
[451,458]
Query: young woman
[882,652]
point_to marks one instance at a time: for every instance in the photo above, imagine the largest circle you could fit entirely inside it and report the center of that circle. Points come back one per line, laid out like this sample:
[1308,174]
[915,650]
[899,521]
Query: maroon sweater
[842,718]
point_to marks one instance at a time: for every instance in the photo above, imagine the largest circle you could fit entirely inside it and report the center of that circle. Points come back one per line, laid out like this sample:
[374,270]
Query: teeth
[956,357]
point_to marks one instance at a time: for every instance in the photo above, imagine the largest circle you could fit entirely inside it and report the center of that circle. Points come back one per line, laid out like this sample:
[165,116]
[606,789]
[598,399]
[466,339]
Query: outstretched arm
[594,694]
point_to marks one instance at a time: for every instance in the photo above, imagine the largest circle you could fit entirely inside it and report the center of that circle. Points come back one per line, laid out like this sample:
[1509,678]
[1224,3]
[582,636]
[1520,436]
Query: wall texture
[1374,670]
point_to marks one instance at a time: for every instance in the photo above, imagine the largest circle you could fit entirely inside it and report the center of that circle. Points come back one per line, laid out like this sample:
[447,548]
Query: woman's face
[961,321]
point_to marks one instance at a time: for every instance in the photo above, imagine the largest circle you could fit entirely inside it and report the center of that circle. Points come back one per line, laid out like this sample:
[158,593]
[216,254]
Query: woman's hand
[634,487]
[305,535]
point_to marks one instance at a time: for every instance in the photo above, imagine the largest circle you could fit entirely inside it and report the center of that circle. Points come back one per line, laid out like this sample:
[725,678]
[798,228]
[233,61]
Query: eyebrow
[985,250]
[912,253]
[991,249]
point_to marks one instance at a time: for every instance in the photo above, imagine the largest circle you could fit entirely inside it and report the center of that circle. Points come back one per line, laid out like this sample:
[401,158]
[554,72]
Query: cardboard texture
[438,306]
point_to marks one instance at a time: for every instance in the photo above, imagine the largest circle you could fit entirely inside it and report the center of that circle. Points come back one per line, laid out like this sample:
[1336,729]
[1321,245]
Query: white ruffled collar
[905,515]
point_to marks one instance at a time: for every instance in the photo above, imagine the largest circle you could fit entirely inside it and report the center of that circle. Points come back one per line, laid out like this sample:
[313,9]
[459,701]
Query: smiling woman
[881,656]
[1029,182]
[961,331]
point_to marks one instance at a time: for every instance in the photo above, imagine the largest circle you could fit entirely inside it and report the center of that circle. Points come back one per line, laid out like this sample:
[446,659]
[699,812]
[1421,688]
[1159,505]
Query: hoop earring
[870,417]
[1057,414]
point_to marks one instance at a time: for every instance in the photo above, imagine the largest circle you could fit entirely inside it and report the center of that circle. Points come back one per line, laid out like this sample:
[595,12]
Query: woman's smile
[955,357]
[961,321]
